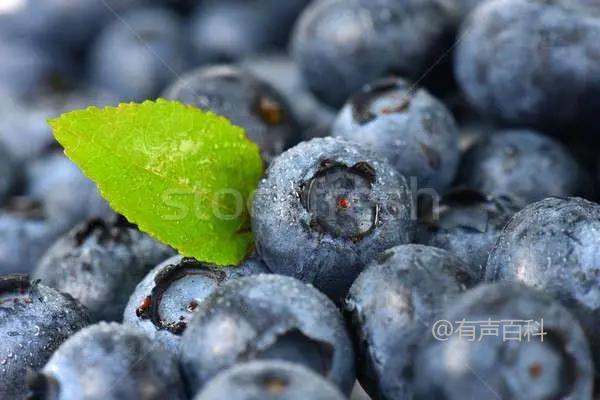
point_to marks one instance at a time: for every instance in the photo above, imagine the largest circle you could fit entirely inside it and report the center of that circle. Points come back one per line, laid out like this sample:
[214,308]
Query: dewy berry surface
[267,316]
[124,363]
[34,321]
[552,246]
[401,291]
[325,208]
[283,199]
[100,262]
[166,299]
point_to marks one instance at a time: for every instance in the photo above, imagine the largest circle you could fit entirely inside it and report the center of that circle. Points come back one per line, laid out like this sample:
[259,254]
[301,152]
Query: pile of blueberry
[426,228]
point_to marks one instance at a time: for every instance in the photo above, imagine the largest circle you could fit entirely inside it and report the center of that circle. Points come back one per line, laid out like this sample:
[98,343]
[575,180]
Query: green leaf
[182,175]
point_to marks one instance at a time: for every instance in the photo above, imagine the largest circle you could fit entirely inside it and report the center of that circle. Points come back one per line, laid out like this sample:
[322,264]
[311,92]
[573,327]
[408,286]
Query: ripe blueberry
[522,62]
[225,31]
[520,367]
[25,234]
[552,245]
[165,300]
[138,54]
[245,100]
[412,129]
[267,316]
[526,165]
[269,380]
[325,209]
[67,196]
[99,263]
[34,321]
[108,361]
[283,74]
[392,305]
[341,45]
[29,70]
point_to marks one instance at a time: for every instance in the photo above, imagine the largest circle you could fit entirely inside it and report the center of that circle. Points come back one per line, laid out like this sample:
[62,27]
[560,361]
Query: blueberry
[138,54]
[412,129]
[341,45]
[25,234]
[325,209]
[552,245]
[27,70]
[532,63]
[245,100]
[392,304]
[23,128]
[504,367]
[99,263]
[510,162]
[68,25]
[283,74]
[269,380]
[267,316]
[467,224]
[67,196]
[34,321]
[108,361]
[8,172]
[225,31]
[165,300]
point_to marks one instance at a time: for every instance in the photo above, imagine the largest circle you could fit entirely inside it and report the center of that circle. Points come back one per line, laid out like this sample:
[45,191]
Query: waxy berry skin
[532,63]
[325,208]
[109,361]
[413,130]
[34,321]
[392,305]
[341,45]
[552,246]
[100,262]
[269,379]
[267,316]
[523,164]
[165,300]
[500,365]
